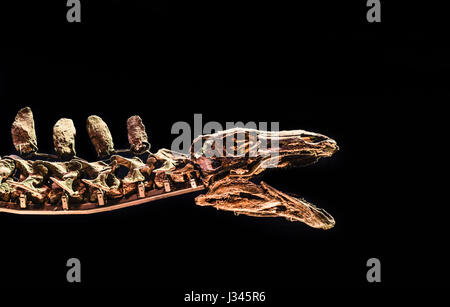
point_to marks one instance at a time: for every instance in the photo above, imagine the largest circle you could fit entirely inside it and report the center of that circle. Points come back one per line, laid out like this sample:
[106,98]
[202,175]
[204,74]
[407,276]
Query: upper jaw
[329,148]
[300,147]
[293,148]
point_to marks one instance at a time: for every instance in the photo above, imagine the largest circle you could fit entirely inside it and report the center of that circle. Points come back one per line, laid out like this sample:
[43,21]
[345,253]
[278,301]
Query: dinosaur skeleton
[227,164]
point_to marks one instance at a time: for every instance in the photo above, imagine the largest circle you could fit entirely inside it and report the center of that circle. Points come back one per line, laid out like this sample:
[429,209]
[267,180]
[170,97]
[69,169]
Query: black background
[379,90]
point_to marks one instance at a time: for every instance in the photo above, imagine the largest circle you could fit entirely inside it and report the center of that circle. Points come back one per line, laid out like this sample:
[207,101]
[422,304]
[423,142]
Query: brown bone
[250,152]
[244,197]
[229,158]
[100,136]
[64,138]
[23,133]
[137,137]
[225,161]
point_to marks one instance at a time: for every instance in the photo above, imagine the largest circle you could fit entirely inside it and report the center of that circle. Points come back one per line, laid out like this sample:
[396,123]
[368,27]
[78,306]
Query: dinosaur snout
[330,148]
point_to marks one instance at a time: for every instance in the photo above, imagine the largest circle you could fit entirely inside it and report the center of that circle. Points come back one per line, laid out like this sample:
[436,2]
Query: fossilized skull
[245,152]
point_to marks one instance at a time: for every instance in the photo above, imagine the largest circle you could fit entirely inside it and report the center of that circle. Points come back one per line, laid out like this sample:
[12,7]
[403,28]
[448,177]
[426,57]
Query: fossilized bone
[227,163]
[174,166]
[137,136]
[255,151]
[245,197]
[249,155]
[100,136]
[64,138]
[23,133]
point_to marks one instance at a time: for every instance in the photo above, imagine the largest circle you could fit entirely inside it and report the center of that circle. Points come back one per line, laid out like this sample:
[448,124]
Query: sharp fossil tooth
[100,136]
[23,133]
[137,137]
[64,138]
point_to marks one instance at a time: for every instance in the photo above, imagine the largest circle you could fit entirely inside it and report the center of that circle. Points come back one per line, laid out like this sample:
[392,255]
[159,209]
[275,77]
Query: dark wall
[377,89]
